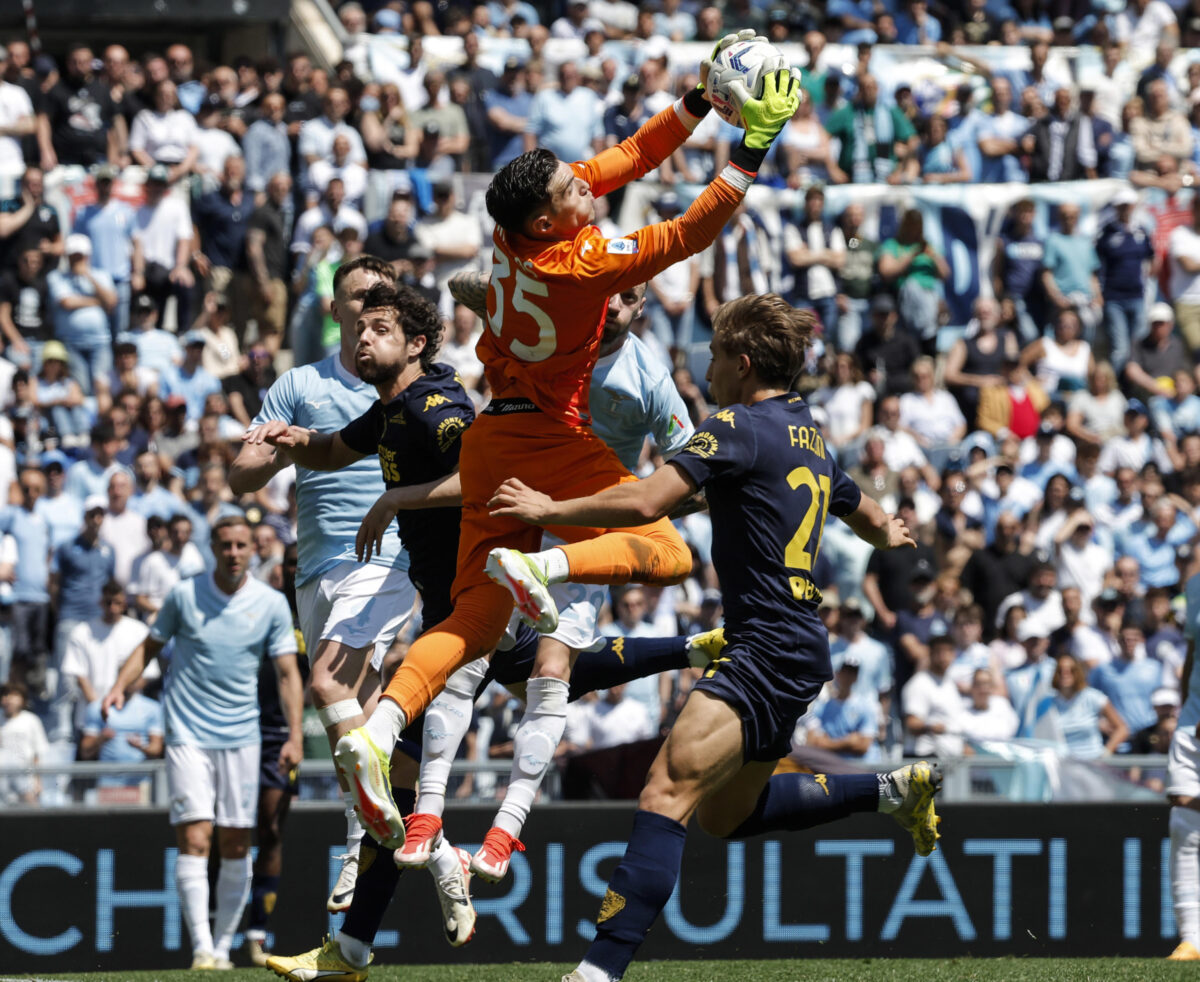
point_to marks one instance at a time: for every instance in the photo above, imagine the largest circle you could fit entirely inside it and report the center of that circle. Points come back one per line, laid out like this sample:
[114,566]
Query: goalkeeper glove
[764,118]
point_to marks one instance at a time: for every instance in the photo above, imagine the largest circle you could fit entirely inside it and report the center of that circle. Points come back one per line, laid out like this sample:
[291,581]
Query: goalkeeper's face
[571,206]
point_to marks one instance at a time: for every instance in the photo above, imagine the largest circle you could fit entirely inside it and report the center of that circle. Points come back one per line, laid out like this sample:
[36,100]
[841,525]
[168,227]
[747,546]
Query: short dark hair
[228,521]
[103,432]
[415,314]
[520,188]
[372,264]
[768,330]
[111,589]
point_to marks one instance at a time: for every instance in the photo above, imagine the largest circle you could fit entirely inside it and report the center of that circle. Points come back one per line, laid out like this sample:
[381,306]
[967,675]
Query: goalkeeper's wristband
[747,158]
[695,103]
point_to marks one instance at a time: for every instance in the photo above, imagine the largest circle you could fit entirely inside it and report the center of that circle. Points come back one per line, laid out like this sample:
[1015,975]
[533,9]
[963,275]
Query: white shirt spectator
[215,146]
[609,724]
[843,408]
[354,179]
[161,229]
[457,228]
[933,419]
[1184,242]
[95,651]
[161,570]
[22,744]
[934,700]
[997,722]
[1046,615]
[901,450]
[316,138]
[1083,568]
[166,137]
[1090,646]
[462,357]
[1135,452]
[14,107]
[319,214]
[617,15]
[1141,32]
[126,533]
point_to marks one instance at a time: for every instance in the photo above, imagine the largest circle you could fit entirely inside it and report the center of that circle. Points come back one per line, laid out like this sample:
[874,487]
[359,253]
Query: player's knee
[553,668]
[675,559]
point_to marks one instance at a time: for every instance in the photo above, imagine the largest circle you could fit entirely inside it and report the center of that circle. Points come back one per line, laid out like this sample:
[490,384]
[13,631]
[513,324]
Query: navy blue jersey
[770,482]
[272,721]
[417,438]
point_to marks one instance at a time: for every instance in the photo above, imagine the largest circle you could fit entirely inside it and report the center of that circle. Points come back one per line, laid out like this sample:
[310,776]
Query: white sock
[1185,872]
[354,831]
[233,890]
[386,724]
[444,860]
[446,723]
[356,952]
[191,880]
[537,738]
[554,564]
[593,973]
[890,797]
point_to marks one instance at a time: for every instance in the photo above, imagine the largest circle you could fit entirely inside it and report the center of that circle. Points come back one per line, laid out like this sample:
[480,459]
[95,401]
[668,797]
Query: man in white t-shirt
[932,705]
[123,529]
[1183,249]
[162,247]
[22,744]
[616,719]
[162,569]
[453,237]
[96,648]
[16,121]
[1142,24]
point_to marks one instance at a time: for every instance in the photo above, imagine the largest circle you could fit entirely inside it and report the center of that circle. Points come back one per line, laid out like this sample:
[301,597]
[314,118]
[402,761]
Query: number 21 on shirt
[523,287]
[802,549]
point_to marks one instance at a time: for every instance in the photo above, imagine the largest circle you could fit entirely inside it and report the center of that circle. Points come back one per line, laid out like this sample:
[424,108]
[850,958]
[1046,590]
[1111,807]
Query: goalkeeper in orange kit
[552,274]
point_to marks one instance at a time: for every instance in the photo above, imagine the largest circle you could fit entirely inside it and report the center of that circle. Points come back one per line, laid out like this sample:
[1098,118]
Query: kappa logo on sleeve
[622,247]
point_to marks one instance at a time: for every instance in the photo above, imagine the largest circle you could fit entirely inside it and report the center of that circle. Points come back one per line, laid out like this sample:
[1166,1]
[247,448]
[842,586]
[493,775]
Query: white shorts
[1183,764]
[219,786]
[356,605]
[578,609]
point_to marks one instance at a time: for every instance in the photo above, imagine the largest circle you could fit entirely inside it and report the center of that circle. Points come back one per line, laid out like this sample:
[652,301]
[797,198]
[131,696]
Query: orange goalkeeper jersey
[546,300]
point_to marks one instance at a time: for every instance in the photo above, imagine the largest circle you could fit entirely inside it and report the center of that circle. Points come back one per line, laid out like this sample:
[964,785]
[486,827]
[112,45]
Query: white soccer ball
[744,60]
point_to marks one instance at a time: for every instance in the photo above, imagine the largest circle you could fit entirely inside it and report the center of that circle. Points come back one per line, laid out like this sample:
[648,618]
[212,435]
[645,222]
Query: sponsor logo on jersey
[437,399]
[703,445]
[448,431]
[823,781]
[398,419]
[726,416]
[622,247]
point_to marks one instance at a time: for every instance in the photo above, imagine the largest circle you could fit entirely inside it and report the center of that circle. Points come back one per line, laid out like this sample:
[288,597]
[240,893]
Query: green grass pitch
[807,970]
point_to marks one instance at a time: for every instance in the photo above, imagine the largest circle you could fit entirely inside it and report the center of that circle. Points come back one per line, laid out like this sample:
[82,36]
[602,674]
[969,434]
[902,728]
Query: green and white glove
[765,117]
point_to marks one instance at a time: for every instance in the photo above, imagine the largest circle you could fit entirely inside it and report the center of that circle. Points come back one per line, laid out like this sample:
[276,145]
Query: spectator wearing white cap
[1156,355]
[1124,248]
[82,299]
[844,721]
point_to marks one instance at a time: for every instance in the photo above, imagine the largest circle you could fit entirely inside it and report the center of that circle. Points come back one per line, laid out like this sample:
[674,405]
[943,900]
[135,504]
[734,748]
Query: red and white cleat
[491,862]
[422,833]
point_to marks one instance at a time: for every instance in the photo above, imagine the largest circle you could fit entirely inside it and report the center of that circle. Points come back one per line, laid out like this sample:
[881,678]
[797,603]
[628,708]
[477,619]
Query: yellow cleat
[524,579]
[325,963]
[1185,951]
[918,783]
[705,648]
[203,961]
[365,767]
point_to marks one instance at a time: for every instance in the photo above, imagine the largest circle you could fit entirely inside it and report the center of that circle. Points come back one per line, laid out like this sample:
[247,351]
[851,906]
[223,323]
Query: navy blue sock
[377,878]
[638,891]
[625,659]
[800,801]
[263,891]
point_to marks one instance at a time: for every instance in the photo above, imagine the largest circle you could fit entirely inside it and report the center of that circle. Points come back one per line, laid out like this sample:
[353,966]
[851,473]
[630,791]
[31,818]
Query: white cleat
[342,894]
[514,571]
[454,894]
[258,954]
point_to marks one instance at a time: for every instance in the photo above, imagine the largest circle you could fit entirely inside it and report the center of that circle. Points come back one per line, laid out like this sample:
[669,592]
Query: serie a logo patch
[622,247]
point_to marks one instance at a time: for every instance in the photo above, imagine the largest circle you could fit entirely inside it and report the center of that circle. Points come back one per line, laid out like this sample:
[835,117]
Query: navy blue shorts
[766,693]
[514,665]
[268,766]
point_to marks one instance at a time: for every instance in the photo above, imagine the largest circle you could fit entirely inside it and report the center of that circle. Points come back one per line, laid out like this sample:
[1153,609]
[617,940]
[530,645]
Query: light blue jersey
[632,396]
[1189,715]
[211,697]
[331,504]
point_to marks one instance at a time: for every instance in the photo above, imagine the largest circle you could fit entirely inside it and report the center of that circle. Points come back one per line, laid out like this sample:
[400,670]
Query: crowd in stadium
[1048,456]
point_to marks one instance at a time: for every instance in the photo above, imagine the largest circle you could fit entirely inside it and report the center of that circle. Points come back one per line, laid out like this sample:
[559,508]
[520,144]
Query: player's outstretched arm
[872,524]
[254,466]
[445,492]
[622,506]
[470,289]
[308,448]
